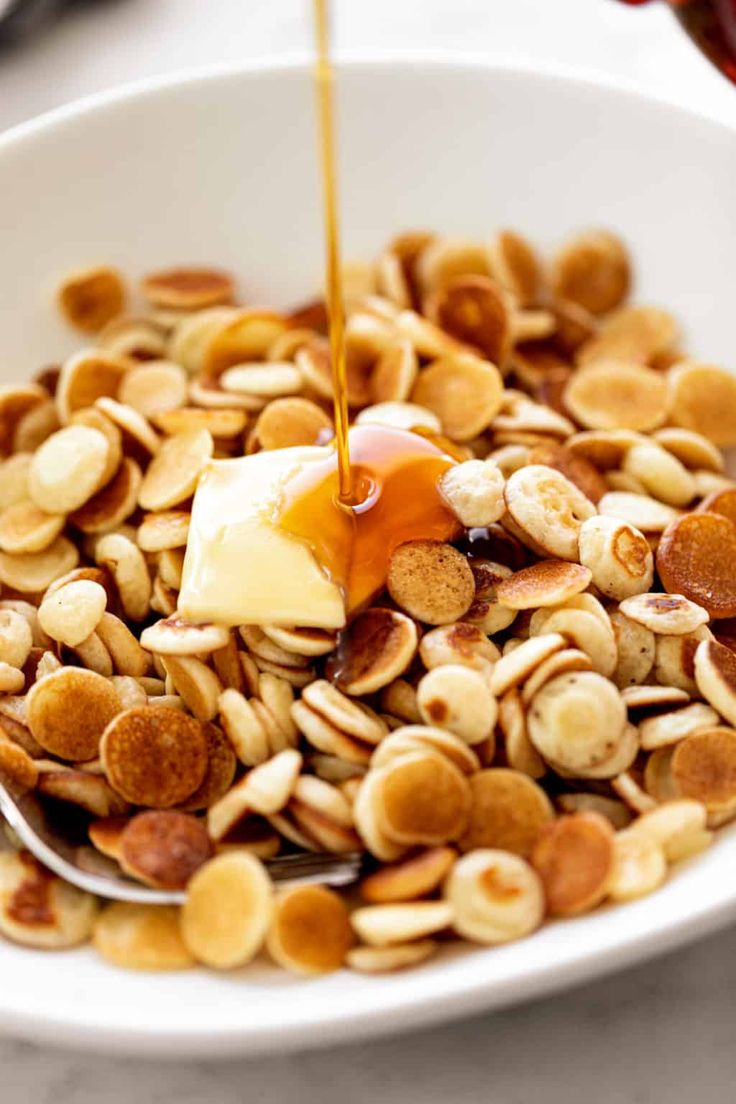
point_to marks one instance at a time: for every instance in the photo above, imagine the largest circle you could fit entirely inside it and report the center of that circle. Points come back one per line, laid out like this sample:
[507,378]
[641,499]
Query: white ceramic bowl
[221,168]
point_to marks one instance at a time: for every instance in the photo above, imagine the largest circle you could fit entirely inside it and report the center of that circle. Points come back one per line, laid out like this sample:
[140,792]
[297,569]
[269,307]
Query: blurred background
[53,51]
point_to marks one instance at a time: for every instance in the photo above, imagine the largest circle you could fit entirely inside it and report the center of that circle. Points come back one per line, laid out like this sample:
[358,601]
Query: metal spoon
[59,842]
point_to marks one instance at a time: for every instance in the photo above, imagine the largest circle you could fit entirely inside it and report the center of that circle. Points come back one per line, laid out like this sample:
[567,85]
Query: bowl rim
[468,993]
[301,62]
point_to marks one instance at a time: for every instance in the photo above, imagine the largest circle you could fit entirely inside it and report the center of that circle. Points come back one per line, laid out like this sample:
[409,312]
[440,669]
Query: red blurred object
[712,26]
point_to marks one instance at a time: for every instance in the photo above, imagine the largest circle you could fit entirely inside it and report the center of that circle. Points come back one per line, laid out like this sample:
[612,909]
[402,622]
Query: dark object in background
[17,17]
[712,26]
[20,18]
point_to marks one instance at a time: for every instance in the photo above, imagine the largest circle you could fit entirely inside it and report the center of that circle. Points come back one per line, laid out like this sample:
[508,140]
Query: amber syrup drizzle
[324,80]
[711,25]
[383,490]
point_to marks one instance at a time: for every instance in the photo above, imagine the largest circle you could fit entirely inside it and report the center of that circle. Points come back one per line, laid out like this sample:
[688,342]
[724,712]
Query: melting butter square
[240,568]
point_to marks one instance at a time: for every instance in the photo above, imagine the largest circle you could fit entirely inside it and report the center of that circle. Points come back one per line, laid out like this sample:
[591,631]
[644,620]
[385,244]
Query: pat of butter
[240,568]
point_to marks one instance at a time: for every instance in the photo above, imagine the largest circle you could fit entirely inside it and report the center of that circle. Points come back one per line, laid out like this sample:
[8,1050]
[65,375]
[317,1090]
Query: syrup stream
[324,80]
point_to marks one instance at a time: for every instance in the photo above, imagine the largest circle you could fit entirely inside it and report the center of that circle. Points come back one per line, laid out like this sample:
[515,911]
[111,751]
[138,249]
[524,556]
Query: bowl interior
[222,169]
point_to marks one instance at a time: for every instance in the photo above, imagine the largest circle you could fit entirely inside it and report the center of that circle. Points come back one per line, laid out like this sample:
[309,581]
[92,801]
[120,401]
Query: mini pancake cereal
[503,675]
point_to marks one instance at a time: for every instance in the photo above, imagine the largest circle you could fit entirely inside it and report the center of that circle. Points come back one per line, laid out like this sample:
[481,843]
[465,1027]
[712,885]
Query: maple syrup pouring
[324,80]
[380,488]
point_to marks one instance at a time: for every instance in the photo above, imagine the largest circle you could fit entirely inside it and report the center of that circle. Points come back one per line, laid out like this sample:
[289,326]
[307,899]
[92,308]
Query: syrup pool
[396,499]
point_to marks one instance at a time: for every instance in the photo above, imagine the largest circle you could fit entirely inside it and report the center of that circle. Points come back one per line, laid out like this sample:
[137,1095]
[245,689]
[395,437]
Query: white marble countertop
[658,1034]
